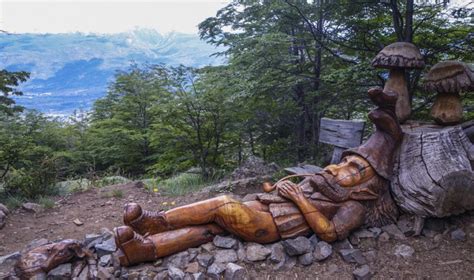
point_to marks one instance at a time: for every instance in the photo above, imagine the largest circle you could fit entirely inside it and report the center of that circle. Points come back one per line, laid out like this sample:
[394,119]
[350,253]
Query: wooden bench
[342,134]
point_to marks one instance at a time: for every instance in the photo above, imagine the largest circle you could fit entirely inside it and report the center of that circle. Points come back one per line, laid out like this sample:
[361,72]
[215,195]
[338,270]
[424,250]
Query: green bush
[177,185]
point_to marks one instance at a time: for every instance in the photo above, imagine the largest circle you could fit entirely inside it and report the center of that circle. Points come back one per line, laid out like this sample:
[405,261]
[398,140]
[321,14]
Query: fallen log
[433,171]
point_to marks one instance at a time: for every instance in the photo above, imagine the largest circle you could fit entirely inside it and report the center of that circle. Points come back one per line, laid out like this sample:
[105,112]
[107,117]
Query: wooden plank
[305,169]
[341,133]
[336,155]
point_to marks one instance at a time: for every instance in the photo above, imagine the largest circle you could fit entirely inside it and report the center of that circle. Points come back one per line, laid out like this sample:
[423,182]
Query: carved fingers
[290,191]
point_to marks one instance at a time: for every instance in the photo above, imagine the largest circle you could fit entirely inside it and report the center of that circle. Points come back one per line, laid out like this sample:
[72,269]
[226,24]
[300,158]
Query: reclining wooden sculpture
[331,203]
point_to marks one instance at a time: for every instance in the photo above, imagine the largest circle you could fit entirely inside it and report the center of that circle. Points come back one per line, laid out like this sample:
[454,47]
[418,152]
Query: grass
[114,193]
[177,185]
[46,202]
[13,202]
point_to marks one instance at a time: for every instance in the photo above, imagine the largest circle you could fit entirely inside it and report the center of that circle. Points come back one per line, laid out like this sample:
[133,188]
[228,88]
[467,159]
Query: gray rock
[159,276]
[32,207]
[306,259]
[362,273]
[84,275]
[458,234]
[404,251]
[192,268]
[205,260]
[352,256]
[175,273]
[322,251]
[106,247]
[179,260]
[289,263]
[198,276]
[225,256]
[89,238]
[208,247]
[406,226]
[314,240]
[370,256]
[4,209]
[105,260]
[384,237]
[277,253]
[103,273]
[214,271]
[36,243]
[61,272]
[298,246]
[376,231]
[257,252]
[3,219]
[10,257]
[234,272]
[394,232]
[225,242]
[429,233]
[241,253]
[342,244]
[193,252]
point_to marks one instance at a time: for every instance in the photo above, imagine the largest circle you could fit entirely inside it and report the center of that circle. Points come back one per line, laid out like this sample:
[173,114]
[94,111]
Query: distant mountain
[70,71]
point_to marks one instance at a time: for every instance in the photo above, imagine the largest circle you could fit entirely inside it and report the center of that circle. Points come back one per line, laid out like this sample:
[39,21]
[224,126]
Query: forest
[289,64]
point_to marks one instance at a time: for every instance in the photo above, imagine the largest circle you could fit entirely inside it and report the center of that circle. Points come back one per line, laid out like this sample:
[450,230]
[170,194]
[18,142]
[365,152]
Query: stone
[352,256]
[234,272]
[306,259]
[36,243]
[205,260]
[106,247]
[103,273]
[342,244]
[384,237]
[225,242]
[105,260]
[159,276]
[3,219]
[289,263]
[198,276]
[322,251]
[89,238]
[32,207]
[406,226]
[394,232]
[214,270]
[4,209]
[277,254]
[192,267]
[175,273]
[429,233]
[61,272]
[241,253]
[208,247]
[179,260]
[297,246]
[10,257]
[193,252]
[225,256]
[250,197]
[333,268]
[404,251]
[362,273]
[376,231]
[370,256]
[458,234]
[314,240]
[257,252]
[78,222]
[84,275]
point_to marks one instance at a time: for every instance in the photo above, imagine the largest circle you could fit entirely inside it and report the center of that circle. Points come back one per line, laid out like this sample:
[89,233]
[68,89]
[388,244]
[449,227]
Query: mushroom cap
[399,55]
[450,77]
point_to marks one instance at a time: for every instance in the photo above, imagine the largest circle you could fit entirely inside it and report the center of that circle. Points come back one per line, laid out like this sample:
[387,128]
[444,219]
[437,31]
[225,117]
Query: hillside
[70,71]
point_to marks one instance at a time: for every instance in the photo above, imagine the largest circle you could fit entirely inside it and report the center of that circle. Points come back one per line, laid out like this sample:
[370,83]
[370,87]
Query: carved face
[351,171]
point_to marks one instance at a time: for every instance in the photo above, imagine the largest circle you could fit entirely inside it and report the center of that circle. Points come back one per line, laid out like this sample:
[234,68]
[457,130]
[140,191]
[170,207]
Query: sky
[105,16]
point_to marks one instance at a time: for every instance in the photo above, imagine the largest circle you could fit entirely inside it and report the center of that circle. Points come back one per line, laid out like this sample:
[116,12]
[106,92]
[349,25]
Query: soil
[434,258]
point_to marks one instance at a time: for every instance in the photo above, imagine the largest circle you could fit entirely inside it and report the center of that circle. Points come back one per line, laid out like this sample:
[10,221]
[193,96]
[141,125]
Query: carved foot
[132,247]
[144,222]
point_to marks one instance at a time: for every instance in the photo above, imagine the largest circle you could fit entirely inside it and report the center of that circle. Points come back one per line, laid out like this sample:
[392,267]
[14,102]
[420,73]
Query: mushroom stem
[397,82]
[447,109]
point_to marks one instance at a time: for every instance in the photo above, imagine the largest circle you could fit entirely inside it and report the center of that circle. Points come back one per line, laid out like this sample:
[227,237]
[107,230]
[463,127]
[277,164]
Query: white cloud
[104,16]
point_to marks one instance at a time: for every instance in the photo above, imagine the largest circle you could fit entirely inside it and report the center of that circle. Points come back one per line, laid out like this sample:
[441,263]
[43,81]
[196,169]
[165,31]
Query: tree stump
[433,172]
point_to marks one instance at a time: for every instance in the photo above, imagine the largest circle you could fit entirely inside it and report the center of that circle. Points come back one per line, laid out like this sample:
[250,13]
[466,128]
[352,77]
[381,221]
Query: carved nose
[332,169]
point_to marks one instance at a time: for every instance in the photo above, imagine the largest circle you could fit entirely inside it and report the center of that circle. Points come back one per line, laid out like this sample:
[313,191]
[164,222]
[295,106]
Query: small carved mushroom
[397,57]
[448,79]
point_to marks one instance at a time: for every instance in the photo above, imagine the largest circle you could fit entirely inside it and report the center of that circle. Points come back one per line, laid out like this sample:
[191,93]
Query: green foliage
[178,185]
[46,202]
[8,83]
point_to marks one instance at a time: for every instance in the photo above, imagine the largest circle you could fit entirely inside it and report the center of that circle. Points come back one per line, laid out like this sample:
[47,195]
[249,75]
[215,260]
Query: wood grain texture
[341,133]
[433,174]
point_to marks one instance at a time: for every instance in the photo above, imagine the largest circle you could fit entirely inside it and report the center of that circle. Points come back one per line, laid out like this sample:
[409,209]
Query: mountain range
[70,71]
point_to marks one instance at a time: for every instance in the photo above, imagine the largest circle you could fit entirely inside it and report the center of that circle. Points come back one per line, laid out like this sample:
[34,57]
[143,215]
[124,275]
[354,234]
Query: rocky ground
[444,251]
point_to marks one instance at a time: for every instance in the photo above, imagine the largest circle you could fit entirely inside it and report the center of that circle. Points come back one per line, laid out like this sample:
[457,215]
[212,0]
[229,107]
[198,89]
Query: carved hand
[291,191]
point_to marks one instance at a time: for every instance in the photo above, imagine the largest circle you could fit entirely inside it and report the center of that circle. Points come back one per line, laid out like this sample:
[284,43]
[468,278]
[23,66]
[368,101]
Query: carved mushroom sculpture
[397,57]
[448,79]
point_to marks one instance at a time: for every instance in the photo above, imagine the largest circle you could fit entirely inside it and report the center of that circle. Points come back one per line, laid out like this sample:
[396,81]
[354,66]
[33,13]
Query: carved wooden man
[331,204]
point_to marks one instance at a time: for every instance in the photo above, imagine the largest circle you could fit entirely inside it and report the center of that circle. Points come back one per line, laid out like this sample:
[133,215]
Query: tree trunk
[433,172]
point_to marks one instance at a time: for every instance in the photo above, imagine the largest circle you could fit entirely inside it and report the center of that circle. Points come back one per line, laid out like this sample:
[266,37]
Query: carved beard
[381,210]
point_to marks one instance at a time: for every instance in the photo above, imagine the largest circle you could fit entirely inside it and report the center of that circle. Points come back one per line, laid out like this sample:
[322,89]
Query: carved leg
[134,248]
[249,221]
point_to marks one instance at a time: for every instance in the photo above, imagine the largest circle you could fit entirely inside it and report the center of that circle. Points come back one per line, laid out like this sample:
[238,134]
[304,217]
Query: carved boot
[144,222]
[133,248]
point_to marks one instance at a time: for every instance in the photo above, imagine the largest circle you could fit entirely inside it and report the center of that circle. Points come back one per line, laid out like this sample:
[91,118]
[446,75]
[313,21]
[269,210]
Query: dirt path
[434,258]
